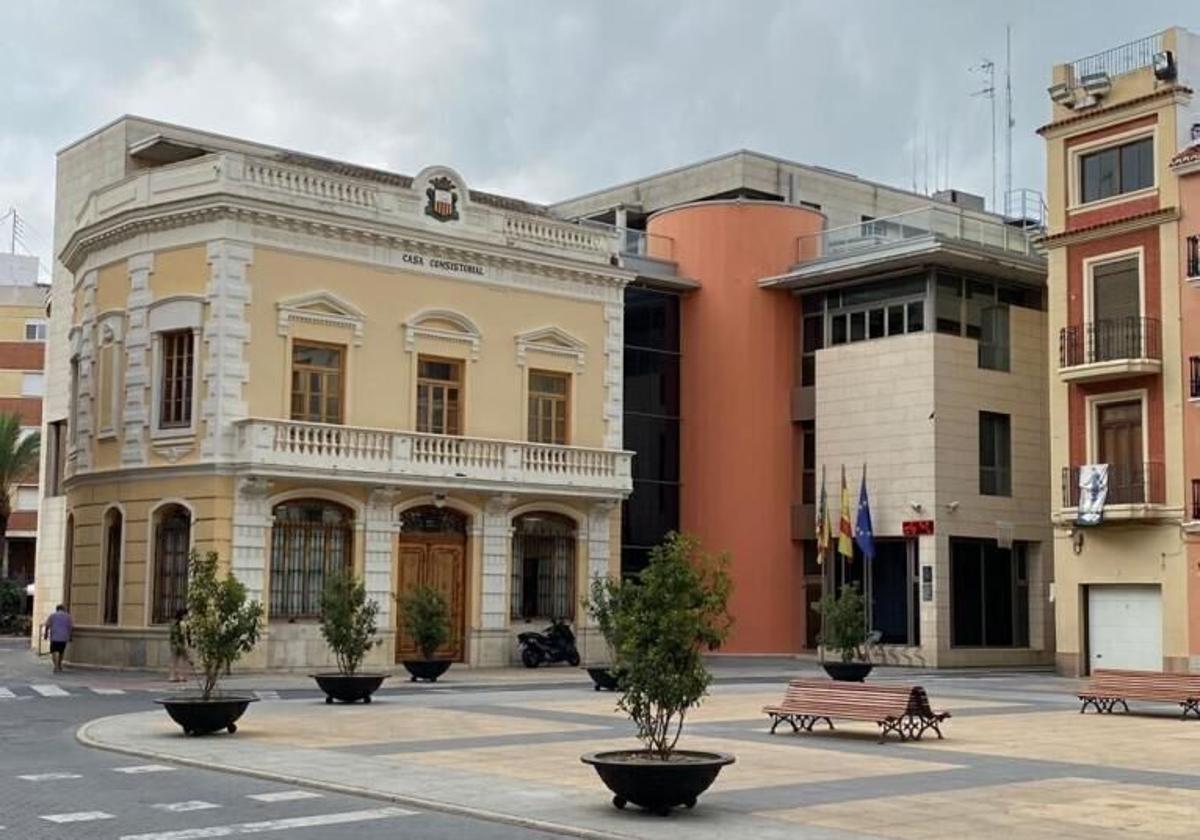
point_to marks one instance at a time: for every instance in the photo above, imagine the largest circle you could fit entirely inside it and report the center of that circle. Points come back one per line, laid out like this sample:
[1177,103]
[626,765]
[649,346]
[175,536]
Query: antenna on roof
[988,68]
[1008,118]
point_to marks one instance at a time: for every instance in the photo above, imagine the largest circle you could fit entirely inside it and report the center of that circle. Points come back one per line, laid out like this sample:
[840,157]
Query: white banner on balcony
[1093,491]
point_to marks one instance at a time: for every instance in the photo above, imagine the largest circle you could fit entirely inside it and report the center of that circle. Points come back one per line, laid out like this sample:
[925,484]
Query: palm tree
[18,461]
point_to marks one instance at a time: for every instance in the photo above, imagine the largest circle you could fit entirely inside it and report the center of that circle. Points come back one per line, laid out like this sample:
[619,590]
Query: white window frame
[38,323]
[180,312]
[1092,402]
[1089,267]
[25,374]
[1074,181]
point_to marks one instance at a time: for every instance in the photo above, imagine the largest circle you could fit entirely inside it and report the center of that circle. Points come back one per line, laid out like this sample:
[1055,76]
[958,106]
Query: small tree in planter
[222,626]
[425,617]
[348,625]
[659,627]
[844,629]
[600,604]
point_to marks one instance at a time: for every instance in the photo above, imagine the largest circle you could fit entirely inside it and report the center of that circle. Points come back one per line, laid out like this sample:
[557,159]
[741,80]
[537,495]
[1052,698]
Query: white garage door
[1125,627]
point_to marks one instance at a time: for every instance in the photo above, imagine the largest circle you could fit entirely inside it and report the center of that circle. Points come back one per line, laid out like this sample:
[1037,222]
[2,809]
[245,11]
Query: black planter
[203,717]
[349,688]
[847,671]
[426,669]
[603,678]
[635,776]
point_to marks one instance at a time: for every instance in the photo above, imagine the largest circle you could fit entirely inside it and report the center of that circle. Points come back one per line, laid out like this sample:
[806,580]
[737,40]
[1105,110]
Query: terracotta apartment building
[1123,393]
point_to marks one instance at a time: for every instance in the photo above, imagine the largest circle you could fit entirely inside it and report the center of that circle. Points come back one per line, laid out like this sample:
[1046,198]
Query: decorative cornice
[551,340]
[464,330]
[1101,230]
[307,309]
[226,206]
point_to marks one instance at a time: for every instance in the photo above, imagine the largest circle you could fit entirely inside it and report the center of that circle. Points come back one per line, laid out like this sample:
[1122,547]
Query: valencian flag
[863,535]
[824,537]
[845,545]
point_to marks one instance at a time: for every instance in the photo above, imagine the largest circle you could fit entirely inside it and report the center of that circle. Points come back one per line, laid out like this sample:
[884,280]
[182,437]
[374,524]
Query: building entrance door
[433,552]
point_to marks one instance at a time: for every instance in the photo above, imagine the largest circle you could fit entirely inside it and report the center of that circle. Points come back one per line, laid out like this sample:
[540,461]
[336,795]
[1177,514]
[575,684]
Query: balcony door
[1119,444]
[1116,328]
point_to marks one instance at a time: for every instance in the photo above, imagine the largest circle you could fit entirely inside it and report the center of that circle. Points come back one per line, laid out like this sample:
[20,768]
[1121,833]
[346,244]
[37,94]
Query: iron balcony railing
[1193,257]
[1123,59]
[1110,340]
[1194,378]
[1128,484]
[1195,499]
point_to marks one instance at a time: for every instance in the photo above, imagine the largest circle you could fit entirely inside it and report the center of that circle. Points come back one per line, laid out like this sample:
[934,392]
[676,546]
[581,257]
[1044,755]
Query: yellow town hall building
[308,365]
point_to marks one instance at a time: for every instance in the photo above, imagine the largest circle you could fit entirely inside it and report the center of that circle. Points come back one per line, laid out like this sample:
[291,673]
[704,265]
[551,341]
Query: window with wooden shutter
[318,378]
[439,396]
[549,404]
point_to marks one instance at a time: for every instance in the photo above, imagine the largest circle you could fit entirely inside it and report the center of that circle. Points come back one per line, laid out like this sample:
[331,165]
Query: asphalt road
[52,787]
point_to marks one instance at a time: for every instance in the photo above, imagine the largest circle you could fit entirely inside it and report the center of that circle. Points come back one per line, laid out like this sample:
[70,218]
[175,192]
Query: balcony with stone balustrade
[288,448]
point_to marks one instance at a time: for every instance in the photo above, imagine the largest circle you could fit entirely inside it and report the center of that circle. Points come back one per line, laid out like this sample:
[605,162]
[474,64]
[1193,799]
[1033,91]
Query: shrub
[658,627]
[12,597]
[348,620]
[222,623]
[843,622]
[426,619]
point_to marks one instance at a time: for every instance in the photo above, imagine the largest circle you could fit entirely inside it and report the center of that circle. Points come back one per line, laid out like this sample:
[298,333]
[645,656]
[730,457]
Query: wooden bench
[1109,687]
[901,709]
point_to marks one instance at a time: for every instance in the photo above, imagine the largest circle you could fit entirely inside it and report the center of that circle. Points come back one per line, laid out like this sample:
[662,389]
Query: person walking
[58,629]
[180,640]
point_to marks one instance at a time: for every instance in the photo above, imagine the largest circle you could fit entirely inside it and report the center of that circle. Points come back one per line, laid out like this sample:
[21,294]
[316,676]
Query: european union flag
[863,535]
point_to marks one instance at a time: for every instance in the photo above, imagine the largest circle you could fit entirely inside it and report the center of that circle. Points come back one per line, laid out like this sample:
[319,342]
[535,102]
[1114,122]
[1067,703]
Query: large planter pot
[847,671]
[638,777]
[426,669]
[349,688]
[202,717]
[603,678]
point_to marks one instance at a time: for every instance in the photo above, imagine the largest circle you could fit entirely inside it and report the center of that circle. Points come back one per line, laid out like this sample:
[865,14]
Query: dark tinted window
[1116,170]
[651,382]
[651,319]
[656,442]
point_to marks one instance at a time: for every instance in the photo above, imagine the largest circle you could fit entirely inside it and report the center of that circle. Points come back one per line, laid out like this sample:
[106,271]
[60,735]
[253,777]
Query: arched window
[309,539]
[68,560]
[172,543]
[543,570]
[114,527]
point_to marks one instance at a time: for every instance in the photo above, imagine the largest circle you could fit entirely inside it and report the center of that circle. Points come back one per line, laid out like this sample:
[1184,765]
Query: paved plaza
[1018,759]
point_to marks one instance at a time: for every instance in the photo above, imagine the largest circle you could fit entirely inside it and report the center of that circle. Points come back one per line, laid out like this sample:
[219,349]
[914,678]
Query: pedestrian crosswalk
[328,813]
[53,691]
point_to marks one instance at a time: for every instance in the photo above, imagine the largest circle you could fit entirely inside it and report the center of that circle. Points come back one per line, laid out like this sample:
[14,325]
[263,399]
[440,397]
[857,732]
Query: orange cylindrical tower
[739,348]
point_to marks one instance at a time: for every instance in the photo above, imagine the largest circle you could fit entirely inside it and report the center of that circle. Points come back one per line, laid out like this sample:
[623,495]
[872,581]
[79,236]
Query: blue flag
[863,535]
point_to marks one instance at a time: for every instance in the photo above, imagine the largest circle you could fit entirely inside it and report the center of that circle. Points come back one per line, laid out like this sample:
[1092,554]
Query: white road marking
[6,694]
[49,777]
[108,691]
[190,805]
[267,695]
[49,690]
[284,795]
[144,768]
[273,825]
[77,816]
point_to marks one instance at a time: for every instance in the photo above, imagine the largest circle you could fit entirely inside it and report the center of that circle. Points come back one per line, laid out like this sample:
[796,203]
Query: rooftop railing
[1123,59]
[949,223]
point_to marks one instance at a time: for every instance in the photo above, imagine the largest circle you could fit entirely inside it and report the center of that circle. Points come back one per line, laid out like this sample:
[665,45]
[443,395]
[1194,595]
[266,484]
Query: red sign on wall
[917,528]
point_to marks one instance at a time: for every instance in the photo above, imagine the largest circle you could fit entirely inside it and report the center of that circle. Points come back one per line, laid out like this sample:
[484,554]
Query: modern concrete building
[308,365]
[1121,394]
[22,383]
[824,320]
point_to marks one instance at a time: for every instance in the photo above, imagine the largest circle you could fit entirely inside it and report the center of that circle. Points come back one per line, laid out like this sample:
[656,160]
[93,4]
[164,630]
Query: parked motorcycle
[554,644]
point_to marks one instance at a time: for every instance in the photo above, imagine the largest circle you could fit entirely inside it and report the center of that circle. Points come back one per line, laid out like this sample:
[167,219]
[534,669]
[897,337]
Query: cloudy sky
[543,100]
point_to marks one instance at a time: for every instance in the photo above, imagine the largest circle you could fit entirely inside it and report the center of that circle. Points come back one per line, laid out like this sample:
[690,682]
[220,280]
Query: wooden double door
[438,561]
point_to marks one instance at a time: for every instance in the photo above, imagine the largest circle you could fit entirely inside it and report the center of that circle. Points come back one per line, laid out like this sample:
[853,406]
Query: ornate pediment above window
[323,308]
[443,325]
[552,340]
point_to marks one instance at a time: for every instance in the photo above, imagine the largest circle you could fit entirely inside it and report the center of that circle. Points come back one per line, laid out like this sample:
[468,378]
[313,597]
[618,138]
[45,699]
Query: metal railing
[1122,59]
[1193,257]
[1128,484]
[1110,340]
[949,223]
[1195,499]
[638,243]
[1194,378]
